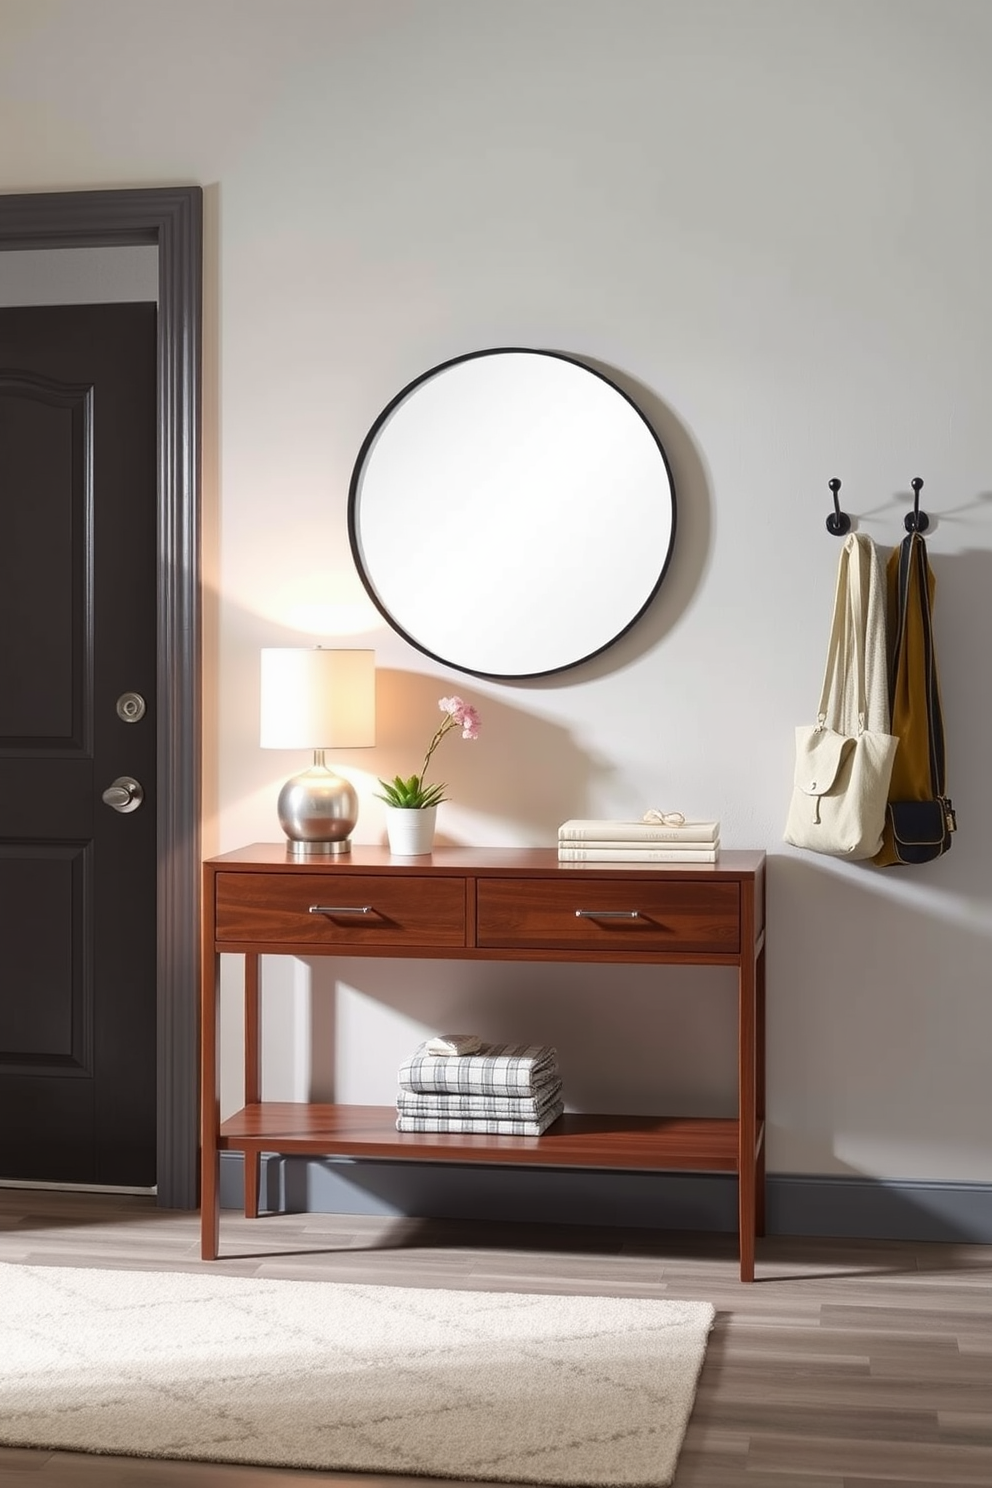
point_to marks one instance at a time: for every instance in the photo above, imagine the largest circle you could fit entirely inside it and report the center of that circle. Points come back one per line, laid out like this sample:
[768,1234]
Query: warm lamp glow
[318,699]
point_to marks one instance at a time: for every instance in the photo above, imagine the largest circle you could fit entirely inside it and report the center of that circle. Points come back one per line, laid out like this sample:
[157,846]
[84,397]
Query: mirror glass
[511,513]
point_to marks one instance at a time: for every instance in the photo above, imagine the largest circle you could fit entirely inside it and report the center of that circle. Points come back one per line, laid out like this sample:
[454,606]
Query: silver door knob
[124,794]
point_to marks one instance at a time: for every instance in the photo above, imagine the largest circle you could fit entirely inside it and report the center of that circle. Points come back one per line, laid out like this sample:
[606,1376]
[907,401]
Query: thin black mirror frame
[355,486]
[171,218]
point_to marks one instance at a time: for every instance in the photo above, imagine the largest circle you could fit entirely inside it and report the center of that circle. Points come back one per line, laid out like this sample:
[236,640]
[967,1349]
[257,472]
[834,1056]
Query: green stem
[447,724]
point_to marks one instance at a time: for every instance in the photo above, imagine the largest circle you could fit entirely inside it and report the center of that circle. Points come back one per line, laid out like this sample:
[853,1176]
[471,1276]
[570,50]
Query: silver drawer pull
[607,914]
[340,909]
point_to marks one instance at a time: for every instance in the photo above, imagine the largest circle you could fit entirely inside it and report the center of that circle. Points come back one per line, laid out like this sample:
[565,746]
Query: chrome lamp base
[301,849]
[318,811]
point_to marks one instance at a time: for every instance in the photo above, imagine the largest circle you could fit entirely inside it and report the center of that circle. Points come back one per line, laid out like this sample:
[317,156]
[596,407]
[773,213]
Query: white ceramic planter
[410,832]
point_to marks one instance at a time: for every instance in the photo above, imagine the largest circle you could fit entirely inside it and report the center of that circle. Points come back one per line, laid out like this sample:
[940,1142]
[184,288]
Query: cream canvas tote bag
[844,760]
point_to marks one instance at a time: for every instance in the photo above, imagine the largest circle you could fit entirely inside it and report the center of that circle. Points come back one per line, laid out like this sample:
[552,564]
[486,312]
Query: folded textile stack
[458,1084]
[670,839]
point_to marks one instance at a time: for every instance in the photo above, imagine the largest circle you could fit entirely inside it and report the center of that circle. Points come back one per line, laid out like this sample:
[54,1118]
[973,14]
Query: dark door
[77,636]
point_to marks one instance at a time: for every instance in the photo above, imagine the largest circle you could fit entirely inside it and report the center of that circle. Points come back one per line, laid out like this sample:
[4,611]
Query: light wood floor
[846,1364]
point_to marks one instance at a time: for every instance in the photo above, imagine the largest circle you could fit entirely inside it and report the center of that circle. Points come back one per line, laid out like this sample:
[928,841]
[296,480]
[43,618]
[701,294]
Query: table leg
[210,1206]
[747,1094]
[253,1077]
[759,991]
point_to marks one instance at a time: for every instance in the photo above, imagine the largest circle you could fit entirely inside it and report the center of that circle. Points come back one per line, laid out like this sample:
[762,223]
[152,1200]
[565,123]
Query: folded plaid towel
[516,1107]
[493,1126]
[499,1069]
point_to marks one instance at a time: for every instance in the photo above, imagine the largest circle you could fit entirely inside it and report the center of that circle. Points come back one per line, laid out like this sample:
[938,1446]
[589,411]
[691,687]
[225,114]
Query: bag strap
[848,638]
[831,668]
[859,629]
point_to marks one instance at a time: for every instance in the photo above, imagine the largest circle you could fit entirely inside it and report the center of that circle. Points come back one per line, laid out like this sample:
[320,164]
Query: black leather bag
[921,830]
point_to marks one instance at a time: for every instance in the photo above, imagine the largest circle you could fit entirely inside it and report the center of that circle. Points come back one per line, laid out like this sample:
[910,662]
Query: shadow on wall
[525,772]
[879,1021]
[524,769]
[612,1027]
[880,989]
[964,661]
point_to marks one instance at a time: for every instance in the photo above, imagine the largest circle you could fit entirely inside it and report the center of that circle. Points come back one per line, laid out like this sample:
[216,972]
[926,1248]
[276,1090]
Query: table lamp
[314,698]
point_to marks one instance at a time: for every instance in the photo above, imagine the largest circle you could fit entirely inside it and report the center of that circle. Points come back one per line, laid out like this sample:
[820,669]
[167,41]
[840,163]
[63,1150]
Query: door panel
[77,879]
[44,577]
[46,1018]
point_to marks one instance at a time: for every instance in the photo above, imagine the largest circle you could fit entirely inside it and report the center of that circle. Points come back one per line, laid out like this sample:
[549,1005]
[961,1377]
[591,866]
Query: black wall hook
[916,520]
[838,522]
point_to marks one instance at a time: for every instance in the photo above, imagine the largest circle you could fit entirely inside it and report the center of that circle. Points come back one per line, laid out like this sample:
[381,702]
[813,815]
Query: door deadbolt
[130,707]
[124,794]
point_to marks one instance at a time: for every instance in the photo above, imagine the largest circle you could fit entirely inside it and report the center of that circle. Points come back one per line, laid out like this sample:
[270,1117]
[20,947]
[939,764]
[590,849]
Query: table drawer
[605,914]
[328,909]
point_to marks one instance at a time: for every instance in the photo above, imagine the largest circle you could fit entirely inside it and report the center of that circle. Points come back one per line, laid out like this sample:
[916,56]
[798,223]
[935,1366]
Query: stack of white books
[605,841]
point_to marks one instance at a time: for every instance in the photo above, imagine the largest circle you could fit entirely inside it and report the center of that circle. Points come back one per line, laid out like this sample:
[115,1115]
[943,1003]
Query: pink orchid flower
[463,715]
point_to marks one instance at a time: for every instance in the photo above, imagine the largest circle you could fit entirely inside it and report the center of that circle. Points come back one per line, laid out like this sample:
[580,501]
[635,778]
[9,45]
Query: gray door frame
[171,218]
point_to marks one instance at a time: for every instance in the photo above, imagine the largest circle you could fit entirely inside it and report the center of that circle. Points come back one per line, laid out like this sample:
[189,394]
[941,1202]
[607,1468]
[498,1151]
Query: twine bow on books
[664,818]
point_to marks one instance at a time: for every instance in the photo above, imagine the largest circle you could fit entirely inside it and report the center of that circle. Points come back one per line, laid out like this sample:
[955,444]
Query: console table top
[512,861]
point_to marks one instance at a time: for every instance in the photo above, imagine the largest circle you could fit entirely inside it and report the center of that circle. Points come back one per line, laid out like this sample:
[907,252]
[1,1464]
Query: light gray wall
[773,218]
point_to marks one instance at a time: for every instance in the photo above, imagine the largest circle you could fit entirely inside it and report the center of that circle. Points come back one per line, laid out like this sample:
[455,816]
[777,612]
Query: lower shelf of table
[625,1142]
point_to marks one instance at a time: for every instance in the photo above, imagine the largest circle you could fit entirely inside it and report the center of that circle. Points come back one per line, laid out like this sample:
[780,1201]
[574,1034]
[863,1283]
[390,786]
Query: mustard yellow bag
[919,817]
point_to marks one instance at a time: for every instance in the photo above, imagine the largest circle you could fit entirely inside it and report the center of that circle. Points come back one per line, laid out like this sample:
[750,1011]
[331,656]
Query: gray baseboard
[796,1204]
[879,1208]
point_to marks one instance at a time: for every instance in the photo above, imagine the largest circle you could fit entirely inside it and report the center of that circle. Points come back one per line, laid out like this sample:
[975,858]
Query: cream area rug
[497,1386]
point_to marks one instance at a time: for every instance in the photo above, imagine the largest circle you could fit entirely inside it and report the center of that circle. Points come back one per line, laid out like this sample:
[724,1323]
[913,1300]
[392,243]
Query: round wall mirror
[511,513]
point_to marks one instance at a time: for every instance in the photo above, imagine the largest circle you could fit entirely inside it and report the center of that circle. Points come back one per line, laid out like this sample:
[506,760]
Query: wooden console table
[484,904]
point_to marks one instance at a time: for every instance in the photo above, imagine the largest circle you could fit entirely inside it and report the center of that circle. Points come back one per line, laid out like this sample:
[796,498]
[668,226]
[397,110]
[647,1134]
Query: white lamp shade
[317,699]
